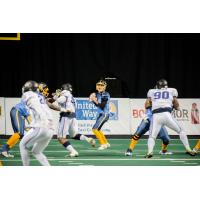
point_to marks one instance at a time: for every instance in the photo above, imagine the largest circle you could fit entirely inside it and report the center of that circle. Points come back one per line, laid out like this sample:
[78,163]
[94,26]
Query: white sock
[151,144]
[70,148]
[184,140]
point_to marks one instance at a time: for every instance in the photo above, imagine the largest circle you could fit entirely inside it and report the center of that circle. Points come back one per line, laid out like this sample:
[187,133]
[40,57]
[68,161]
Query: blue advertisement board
[86,110]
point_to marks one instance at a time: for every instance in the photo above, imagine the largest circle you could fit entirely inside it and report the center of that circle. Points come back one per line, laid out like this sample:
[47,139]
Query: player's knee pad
[135,136]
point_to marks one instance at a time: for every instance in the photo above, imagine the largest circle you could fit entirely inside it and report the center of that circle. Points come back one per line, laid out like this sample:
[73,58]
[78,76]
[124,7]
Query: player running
[68,124]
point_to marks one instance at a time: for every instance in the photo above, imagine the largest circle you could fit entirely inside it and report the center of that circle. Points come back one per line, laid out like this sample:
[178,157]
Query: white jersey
[67,101]
[162,98]
[40,112]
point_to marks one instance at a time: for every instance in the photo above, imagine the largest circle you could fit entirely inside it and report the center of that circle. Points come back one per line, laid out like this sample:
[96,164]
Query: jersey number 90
[161,95]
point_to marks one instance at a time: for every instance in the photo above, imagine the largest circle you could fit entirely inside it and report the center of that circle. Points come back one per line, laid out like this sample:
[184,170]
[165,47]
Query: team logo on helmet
[43,89]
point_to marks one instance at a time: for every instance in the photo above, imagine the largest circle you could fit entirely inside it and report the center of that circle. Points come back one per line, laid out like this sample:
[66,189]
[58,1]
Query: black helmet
[67,86]
[162,83]
[30,86]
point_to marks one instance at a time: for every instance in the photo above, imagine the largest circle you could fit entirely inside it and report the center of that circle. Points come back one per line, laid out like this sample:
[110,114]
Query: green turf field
[114,156]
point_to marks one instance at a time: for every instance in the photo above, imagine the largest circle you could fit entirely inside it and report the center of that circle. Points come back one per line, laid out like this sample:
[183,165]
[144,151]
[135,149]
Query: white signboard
[118,124]
[188,116]
[2,117]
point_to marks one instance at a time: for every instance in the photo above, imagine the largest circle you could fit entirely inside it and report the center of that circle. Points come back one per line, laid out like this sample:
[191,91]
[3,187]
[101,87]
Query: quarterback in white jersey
[42,127]
[68,124]
[163,100]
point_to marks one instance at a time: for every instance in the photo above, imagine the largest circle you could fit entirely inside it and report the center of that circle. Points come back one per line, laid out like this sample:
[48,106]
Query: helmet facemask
[43,89]
[101,86]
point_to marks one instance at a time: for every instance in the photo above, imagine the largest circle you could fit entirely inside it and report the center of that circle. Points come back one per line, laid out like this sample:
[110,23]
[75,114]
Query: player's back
[162,98]
[40,113]
[45,107]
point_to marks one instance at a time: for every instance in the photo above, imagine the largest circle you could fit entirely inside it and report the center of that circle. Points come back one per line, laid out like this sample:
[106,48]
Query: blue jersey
[21,107]
[103,100]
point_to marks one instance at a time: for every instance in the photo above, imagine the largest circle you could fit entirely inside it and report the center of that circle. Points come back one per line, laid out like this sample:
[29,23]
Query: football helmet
[67,86]
[30,86]
[43,89]
[162,83]
[101,85]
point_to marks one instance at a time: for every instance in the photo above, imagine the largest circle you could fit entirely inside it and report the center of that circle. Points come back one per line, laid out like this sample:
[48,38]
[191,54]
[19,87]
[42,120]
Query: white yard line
[191,163]
[111,159]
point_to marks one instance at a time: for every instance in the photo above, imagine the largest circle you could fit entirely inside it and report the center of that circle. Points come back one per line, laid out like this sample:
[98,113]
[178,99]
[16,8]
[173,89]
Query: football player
[101,100]
[143,128]
[68,124]
[163,100]
[18,114]
[41,127]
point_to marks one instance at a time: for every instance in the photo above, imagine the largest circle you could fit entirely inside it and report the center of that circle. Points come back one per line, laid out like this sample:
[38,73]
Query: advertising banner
[2,116]
[86,112]
[188,115]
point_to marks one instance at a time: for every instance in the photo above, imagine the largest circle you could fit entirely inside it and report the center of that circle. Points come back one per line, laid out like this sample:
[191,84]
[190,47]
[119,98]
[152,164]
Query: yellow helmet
[101,85]
[43,89]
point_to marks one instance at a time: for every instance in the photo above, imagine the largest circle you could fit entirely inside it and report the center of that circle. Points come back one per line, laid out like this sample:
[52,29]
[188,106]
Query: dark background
[137,61]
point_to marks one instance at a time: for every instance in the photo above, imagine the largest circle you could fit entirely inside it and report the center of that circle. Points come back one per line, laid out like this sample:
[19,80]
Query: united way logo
[86,110]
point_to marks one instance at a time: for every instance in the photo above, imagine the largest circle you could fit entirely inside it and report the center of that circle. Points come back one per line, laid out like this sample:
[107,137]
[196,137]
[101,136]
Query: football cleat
[108,145]
[165,152]
[128,152]
[73,154]
[149,155]
[191,153]
[195,150]
[102,147]
[92,142]
[6,154]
